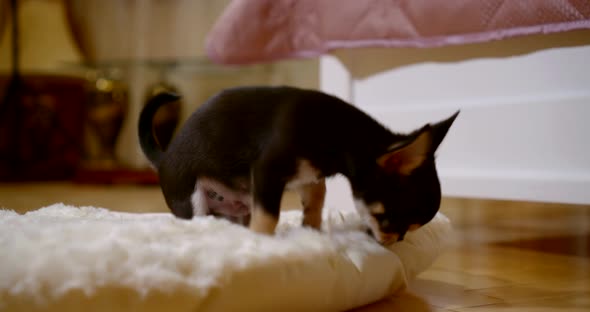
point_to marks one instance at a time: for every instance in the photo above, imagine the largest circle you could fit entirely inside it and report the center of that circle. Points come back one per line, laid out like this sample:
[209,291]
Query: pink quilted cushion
[251,31]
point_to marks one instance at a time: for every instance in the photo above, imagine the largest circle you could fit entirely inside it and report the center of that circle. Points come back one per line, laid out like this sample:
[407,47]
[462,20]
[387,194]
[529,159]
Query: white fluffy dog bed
[64,258]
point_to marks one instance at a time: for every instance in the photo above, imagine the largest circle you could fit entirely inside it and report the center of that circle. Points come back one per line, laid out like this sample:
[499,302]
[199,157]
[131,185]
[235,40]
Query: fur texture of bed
[65,258]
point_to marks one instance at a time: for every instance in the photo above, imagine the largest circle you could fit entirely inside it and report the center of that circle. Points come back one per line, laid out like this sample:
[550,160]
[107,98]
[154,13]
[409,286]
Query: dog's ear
[404,157]
[440,129]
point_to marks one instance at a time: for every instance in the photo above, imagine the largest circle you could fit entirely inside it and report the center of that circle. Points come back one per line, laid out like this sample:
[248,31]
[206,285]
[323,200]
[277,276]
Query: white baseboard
[514,185]
[526,186]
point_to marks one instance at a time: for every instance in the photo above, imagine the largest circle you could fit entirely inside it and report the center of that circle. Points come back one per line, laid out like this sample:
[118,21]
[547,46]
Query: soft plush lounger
[64,258]
[251,31]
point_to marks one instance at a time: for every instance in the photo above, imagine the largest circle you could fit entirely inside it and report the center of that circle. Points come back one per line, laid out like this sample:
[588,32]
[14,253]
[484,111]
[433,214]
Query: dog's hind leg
[312,198]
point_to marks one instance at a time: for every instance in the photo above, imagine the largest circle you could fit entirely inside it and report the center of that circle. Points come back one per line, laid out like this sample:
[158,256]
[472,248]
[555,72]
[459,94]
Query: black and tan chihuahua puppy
[239,151]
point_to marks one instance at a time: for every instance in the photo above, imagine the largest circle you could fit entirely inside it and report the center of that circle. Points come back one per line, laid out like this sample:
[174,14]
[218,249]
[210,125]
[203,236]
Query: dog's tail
[147,140]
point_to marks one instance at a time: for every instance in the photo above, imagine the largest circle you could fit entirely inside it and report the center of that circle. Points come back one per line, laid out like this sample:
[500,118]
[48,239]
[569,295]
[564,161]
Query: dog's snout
[388,239]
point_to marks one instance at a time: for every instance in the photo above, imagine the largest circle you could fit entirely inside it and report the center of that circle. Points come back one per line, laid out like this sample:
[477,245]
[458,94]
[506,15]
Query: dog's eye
[384,223]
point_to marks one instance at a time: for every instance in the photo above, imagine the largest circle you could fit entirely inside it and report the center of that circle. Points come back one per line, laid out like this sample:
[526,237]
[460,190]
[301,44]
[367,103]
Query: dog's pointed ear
[440,129]
[404,157]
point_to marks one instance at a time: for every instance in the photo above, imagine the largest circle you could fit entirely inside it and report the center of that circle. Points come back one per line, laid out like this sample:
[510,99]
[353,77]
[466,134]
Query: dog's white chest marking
[305,174]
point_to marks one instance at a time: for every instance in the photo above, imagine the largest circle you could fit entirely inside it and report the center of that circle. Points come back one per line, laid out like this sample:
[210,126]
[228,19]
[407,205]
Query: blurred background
[74,75]
[86,68]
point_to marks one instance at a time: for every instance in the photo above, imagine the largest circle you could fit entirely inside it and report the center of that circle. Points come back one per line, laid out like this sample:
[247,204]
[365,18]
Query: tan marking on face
[305,174]
[377,208]
[312,198]
[414,227]
[382,238]
[388,239]
[365,213]
[262,222]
